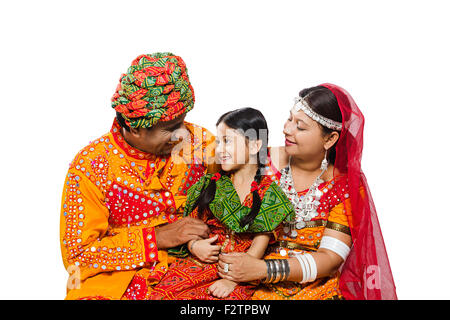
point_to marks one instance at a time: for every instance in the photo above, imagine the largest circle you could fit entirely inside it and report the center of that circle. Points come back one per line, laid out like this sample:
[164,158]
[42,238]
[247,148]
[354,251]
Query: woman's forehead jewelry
[302,105]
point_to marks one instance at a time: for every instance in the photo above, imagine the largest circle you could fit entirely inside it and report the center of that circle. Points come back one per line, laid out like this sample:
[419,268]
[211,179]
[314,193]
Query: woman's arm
[327,261]
[248,268]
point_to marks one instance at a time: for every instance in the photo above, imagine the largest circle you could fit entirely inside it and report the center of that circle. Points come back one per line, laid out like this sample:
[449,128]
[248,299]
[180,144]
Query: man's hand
[180,232]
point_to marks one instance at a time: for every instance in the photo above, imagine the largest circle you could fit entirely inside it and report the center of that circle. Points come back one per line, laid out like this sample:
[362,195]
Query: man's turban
[155,88]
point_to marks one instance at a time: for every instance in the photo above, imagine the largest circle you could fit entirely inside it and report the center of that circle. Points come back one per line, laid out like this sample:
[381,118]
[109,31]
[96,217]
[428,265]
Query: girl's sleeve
[193,193]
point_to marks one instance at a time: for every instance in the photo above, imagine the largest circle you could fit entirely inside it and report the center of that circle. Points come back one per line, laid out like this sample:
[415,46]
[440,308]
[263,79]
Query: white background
[61,61]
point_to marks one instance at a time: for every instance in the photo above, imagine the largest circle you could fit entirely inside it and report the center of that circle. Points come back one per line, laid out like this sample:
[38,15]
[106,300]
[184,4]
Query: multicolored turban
[155,88]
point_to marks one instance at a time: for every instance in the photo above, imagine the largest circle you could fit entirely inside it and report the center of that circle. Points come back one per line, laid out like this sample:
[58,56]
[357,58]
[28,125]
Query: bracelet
[283,270]
[312,267]
[278,270]
[335,245]
[308,266]
[272,271]
[192,244]
[287,270]
[269,269]
[303,267]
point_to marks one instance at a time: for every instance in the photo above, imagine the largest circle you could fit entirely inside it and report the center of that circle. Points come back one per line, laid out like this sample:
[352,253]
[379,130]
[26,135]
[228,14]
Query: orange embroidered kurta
[113,198]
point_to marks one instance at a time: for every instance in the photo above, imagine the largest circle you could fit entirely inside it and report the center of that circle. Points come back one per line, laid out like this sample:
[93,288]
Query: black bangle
[278,270]
[287,269]
[269,271]
[283,270]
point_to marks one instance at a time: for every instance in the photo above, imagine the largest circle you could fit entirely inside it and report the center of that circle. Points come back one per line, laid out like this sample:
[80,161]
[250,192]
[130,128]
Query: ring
[226,268]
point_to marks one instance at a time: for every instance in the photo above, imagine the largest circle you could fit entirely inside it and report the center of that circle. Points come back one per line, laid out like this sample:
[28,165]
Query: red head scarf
[366,274]
[155,88]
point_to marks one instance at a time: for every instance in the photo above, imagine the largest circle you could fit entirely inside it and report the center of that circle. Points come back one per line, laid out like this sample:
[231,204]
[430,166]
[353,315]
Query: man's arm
[180,232]
[88,243]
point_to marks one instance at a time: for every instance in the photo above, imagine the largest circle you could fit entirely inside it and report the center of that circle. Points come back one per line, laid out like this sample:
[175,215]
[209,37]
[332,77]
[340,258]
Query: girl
[241,206]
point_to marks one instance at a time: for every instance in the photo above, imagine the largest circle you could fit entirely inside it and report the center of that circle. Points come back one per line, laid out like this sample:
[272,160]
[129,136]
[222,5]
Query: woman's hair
[324,102]
[254,127]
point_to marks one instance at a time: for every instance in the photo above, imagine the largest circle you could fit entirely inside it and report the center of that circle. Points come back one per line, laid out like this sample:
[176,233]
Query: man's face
[159,139]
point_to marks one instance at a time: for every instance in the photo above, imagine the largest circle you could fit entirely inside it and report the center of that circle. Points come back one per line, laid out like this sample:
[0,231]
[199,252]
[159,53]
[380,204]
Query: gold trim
[338,227]
[293,245]
[311,224]
[316,223]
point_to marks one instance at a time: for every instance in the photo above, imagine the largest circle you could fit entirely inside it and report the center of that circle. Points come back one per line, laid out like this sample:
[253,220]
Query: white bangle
[308,265]
[312,267]
[302,266]
[335,245]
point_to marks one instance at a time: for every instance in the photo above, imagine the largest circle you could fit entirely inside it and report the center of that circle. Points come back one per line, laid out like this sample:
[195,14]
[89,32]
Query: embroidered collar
[116,131]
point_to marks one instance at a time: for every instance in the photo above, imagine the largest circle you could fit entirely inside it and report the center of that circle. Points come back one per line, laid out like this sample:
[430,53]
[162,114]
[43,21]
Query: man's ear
[135,132]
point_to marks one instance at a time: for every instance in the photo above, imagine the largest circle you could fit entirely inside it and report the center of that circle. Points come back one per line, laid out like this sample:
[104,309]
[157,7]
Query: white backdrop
[61,61]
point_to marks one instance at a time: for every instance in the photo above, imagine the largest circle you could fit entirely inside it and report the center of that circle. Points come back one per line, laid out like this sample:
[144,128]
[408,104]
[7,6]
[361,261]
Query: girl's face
[233,150]
[304,137]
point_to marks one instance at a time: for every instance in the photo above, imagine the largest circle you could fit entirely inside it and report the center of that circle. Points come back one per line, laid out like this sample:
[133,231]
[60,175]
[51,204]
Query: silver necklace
[305,206]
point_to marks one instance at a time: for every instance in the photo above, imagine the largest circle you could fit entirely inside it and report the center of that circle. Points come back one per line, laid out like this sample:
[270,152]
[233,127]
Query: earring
[324,164]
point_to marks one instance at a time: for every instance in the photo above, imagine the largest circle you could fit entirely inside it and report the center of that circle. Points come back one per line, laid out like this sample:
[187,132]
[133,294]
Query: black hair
[324,102]
[254,127]
[122,123]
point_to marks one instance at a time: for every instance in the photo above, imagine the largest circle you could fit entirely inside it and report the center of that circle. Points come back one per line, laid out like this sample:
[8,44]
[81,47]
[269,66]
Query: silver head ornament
[302,105]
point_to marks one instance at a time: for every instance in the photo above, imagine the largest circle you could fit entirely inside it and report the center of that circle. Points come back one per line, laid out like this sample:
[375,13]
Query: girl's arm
[259,245]
[204,249]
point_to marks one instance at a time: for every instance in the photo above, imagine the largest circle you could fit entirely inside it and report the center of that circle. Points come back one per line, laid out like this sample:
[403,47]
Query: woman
[335,219]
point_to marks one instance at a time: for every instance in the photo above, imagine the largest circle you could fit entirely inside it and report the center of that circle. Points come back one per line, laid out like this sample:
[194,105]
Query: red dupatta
[366,273]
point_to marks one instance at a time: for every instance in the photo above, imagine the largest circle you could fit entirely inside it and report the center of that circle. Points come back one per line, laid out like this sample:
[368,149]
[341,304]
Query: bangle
[269,271]
[286,269]
[283,272]
[278,270]
[309,267]
[303,267]
[312,267]
[192,244]
[272,271]
[335,245]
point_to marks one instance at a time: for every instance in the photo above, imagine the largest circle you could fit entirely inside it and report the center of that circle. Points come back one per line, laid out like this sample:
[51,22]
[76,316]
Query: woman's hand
[242,267]
[205,250]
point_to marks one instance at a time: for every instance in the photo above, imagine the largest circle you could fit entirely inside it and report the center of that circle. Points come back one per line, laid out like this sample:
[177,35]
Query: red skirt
[189,279]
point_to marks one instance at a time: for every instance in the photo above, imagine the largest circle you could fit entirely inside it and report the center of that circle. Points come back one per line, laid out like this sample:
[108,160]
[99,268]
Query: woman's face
[232,148]
[304,137]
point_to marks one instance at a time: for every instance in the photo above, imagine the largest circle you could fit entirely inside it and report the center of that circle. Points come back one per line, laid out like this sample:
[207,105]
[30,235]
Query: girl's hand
[205,250]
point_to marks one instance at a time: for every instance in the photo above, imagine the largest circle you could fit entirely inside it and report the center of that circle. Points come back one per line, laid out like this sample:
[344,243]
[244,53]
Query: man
[125,192]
